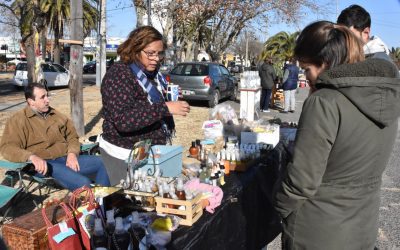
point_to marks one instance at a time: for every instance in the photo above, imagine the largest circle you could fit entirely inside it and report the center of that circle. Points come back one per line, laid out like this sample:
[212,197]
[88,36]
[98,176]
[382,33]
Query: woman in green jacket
[329,197]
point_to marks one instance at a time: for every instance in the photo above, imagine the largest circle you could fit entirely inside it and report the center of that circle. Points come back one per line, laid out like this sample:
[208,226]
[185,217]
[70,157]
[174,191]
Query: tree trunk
[31,58]
[56,46]
[43,41]
[188,54]
[140,11]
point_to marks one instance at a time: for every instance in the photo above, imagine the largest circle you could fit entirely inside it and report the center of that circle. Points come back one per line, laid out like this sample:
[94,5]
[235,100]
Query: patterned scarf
[145,80]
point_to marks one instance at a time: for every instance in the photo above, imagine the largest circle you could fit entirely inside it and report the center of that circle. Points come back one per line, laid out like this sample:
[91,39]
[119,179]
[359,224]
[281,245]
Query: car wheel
[214,99]
[234,95]
[44,83]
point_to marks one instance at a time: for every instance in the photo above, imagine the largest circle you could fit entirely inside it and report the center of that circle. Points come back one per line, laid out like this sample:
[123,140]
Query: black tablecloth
[245,219]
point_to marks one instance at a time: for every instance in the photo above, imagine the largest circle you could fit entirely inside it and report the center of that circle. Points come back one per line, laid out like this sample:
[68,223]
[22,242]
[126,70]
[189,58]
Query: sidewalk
[6,75]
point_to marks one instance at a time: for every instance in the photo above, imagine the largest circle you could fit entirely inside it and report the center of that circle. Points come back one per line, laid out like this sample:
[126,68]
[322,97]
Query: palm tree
[280,46]
[58,11]
[30,21]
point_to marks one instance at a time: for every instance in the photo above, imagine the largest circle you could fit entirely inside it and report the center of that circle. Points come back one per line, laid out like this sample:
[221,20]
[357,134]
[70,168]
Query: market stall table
[246,218]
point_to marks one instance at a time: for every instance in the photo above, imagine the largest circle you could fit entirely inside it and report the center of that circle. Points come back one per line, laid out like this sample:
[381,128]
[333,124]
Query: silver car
[50,75]
[205,81]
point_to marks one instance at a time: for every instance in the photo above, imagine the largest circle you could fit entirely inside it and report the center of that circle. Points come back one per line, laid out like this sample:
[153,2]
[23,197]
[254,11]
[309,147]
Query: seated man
[48,139]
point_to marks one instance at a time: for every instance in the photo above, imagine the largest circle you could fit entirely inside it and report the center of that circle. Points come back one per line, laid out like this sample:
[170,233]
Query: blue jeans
[265,98]
[90,165]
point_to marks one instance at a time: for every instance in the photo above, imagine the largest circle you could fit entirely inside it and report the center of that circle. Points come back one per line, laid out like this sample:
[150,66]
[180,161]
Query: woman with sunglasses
[134,108]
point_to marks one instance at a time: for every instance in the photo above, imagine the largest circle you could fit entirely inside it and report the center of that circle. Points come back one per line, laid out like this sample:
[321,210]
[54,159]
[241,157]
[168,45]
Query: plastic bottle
[99,238]
[110,221]
[120,239]
[136,230]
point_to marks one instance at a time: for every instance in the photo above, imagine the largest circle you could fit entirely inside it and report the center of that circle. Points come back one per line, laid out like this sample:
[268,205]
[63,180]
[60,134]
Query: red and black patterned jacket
[128,115]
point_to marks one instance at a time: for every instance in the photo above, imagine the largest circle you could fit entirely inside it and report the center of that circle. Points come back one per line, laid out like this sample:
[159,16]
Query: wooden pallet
[193,209]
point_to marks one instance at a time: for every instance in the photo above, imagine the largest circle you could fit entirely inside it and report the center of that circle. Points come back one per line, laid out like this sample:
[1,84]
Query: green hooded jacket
[329,197]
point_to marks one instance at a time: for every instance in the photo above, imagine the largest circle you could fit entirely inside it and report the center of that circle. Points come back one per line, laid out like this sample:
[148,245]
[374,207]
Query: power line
[121,8]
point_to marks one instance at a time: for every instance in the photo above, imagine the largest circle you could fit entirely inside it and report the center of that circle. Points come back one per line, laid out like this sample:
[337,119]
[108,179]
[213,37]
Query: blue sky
[385,17]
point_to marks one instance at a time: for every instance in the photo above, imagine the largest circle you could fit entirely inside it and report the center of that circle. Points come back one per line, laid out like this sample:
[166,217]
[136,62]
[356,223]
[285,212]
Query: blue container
[170,160]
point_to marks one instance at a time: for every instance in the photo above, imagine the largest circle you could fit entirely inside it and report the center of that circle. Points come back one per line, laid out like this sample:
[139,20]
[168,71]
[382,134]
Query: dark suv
[204,81]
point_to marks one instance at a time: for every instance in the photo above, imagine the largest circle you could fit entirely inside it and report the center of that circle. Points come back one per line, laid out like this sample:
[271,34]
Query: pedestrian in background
[329,197]
[358,20]
[134,108]
[289,86]
[267,77]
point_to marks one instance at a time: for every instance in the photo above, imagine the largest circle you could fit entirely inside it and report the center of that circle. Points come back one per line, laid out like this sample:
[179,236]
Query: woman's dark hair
[138,39]
[326,43]
[30,88]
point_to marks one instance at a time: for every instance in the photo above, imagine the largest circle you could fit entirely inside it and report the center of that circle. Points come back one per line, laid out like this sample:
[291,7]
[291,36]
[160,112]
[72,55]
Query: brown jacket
[27,133]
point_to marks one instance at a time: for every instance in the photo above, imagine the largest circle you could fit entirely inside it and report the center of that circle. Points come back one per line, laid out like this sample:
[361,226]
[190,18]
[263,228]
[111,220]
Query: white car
[50,75]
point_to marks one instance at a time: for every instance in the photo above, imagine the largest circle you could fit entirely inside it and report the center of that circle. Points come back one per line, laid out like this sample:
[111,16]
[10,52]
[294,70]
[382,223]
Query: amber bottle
[193,150]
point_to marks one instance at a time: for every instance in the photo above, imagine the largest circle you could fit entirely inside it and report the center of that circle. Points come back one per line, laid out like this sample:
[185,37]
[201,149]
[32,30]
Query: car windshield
[22,66]
[59,68]
[190,70]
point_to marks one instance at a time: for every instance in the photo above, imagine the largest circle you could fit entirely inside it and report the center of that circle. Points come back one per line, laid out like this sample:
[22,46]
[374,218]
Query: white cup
[172,92]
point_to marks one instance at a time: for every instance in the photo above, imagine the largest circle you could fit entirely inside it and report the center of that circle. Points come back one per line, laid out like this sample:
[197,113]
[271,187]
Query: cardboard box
[254,137]
[167,158]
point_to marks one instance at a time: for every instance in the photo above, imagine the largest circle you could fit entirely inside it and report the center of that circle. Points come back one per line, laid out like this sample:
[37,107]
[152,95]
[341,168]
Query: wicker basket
[29,231]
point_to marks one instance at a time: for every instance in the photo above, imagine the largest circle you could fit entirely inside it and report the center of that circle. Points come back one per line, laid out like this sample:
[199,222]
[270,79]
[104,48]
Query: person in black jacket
[267,76]
[290,78]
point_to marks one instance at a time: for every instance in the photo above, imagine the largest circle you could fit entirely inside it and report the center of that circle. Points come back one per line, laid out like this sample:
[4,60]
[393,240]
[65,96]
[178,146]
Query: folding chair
[7,198]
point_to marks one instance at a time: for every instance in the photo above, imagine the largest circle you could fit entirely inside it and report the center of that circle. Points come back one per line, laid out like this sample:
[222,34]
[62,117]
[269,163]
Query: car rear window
[21,67]
[190,70]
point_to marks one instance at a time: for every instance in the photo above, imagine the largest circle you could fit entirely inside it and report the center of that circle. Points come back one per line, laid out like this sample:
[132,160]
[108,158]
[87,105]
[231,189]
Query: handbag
[65,234]
[85,209]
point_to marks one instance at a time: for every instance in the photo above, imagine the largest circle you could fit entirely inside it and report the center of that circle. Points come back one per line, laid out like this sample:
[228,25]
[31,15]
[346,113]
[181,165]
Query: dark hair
[30,88]
[324,42]
[138,39]
[355,16]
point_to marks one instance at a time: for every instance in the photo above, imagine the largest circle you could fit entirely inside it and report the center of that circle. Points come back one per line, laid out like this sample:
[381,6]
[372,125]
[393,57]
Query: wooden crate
[190,215]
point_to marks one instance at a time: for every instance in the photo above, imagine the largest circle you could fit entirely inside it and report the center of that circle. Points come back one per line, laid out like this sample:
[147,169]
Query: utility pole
[149,12]
[101,45]
[76,54]
[247,49]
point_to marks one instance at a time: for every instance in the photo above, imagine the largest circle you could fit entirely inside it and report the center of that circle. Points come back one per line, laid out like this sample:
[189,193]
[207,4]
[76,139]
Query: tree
[58,12]
[395,55]
[280,46]
[30,20]
[215,24]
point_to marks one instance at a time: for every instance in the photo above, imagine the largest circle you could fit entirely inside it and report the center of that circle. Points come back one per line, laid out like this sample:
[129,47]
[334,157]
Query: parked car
[165,68]
[205,81]
[90,67]
[50,75]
